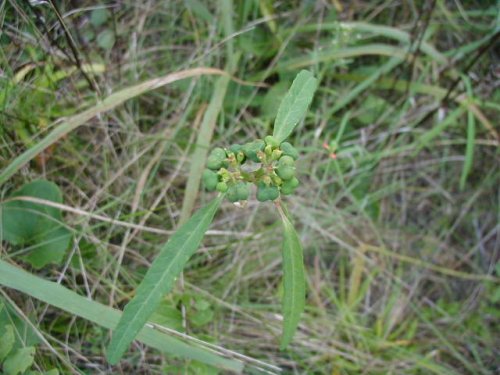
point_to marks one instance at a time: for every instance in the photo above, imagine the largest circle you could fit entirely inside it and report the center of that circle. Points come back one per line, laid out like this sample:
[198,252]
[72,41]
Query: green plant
[34,225]
[276,174]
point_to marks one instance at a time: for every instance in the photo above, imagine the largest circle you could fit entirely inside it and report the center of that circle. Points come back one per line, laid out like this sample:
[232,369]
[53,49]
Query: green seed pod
[219,153]
[217,159]
[286,160]
[214,163]
[285,172]
[210,179]
[221,187]
[251,150]
[243,190]
[293,182]
[289,150]
[232,194]
[267,193]
[289,186]
[286,190]
[236,148]
[271,141]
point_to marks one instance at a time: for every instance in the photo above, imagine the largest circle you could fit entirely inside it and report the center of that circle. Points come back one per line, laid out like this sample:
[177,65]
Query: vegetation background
[398,208]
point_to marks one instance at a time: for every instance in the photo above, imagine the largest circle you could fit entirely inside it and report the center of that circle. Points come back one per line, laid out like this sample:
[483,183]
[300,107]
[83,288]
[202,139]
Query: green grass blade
[335,53]
[471,137]
[294,284]
[107,104]
[294,105]
[202,144]
[160,278]
[428,136]
[57,295]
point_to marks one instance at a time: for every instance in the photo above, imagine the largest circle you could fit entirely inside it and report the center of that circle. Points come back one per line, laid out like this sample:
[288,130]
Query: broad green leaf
[294,285]
[57,295]
[99,17]
[7,340]
[294,106]
[36,225]
[19,361]
[160,278]
[106,39]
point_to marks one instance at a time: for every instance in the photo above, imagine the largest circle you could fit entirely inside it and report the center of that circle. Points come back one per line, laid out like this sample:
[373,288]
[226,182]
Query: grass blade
[107,104]
[471,137]
[294,284]
[160,278]
[57,295]
[294,106]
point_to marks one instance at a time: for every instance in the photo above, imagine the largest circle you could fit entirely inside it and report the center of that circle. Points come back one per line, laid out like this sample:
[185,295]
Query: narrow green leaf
[58,296]
[471,137]
[160,278]
[294,106]
[294,284]
[202,145]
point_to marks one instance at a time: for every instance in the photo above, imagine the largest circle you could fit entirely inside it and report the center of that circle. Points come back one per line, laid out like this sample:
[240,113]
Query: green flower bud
[276,154]
[266,180]
[221,187]
[271,141]
[289,150]
[268,150]
[276,180]
[210,179]
[285,172]
[267,193]
[240,157]
[286,160]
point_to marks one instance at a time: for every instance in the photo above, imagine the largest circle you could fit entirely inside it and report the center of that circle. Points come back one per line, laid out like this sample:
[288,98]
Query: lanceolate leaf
[160,278]
[294,288]
[294,106]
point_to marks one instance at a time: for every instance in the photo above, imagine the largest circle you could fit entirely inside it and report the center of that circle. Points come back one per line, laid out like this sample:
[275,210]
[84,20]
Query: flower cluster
[227,173]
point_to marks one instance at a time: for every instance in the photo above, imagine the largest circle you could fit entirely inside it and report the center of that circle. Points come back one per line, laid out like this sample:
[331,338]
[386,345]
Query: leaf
[294,106]
[200,10]
[57,295]
[160,278]
[294,285]
[7,340]
[19,361]
[106,39]
[99,17]
[39,225]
